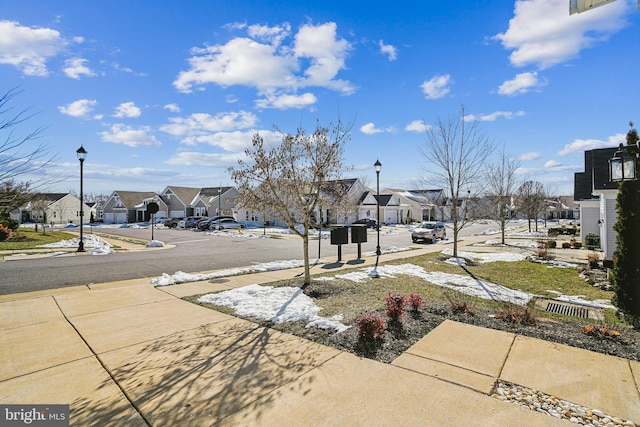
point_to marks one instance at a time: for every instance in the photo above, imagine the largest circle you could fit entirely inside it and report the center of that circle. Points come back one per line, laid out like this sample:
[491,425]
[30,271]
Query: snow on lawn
[98,246]
[465,284]
[278,305]
[182,277]
[487,257]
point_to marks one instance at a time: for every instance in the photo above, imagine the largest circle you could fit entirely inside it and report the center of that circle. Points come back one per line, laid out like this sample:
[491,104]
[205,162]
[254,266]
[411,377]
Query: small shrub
[10,223]
[370,327]
[593,262]
[5,233]
[415,302]
[460,303]
[566,245]
[517,314]
[395,304]
[600,332]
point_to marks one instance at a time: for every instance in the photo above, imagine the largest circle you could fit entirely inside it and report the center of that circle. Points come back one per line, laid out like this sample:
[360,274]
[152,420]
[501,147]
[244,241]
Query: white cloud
[281,67]
[79,108]
[285,101]
[591,144]
[417,126]
[273,35]
[542,33]
[172,107]
[29,48]
[436,87]
[492,117]
[370,129]
[389,50]
[552,164]
[76,67]
[203,123]
[127,135]
[235,141]
[190,158]
[521,84]
[127,109]
[532,155]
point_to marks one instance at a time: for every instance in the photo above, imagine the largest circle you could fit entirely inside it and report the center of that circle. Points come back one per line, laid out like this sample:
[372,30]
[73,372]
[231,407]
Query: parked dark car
[205,224]
[369,222]
[191,221]
[429,231]
[173,222]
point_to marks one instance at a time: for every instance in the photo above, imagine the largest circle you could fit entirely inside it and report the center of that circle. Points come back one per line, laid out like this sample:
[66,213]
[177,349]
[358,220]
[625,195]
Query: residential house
[419,205]
[123,206]
[563,207]
[184,201]
[220,200]
[391,211]
[596,195]
[58,208]
[143,214]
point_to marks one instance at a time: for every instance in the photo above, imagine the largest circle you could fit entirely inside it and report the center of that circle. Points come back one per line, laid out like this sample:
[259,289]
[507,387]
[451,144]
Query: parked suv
[191,221]
[205,224]
[173,222]
[429,231]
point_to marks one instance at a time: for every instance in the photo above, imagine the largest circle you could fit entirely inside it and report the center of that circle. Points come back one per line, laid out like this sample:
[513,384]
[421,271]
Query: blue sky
[170,93]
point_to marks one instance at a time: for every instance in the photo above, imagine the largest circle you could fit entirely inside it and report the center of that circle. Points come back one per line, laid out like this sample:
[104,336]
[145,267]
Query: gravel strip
[558,408]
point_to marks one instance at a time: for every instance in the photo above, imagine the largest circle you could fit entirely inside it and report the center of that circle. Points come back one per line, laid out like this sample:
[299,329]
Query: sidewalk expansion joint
[122,390]
[504,360]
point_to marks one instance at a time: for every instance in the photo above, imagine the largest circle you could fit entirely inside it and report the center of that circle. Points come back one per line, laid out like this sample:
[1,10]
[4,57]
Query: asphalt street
[187,251]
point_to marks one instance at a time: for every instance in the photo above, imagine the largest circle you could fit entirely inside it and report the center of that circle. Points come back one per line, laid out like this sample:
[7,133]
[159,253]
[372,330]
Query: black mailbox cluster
[340,236]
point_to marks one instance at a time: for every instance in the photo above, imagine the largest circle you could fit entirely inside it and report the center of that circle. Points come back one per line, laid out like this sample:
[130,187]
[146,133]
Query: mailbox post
[359,236]
[339,236]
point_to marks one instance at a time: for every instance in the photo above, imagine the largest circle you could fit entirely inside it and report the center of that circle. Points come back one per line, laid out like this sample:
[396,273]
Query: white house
[596,195]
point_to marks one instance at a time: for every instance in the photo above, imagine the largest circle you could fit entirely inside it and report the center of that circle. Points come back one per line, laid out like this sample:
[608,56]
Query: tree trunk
[305,250]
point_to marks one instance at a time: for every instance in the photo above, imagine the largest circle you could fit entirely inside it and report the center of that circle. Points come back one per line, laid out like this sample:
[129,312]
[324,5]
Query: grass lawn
[25,238]
[351,299]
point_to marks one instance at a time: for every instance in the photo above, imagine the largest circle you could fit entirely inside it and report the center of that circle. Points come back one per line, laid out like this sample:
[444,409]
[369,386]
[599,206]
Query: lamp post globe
[82,154]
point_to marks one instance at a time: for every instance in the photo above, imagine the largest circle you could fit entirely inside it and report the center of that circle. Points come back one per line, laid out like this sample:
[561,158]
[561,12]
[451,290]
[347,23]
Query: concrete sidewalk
[129,354]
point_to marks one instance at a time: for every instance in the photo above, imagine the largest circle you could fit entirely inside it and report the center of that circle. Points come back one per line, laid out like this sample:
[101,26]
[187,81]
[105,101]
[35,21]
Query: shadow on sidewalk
[200,376]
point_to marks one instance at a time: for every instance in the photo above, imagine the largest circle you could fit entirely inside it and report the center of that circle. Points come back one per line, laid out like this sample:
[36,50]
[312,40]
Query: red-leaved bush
[370,327]
[5,233]
[415,302]
[395,304]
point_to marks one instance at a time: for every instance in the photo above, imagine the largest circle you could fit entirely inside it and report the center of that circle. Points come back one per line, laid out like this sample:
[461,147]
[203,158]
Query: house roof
[133,198]
[595,175]
[49,197]
[213,191]
[186,194]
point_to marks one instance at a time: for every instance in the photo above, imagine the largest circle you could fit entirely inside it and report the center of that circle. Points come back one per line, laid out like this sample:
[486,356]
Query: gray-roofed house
[123,206]
[184,201]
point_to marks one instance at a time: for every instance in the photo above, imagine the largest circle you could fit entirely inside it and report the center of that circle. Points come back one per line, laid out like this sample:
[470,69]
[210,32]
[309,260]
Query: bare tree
[455,153]
[13,195]
[294,178]
[502,184]
[531,201]
[20,155]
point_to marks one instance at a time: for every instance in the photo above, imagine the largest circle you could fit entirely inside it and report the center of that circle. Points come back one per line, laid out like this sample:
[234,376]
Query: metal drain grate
[568,310]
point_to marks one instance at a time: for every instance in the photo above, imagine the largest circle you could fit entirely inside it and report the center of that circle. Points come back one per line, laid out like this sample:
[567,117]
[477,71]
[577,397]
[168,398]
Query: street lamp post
[377,165]
[82,154]
[219,201]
